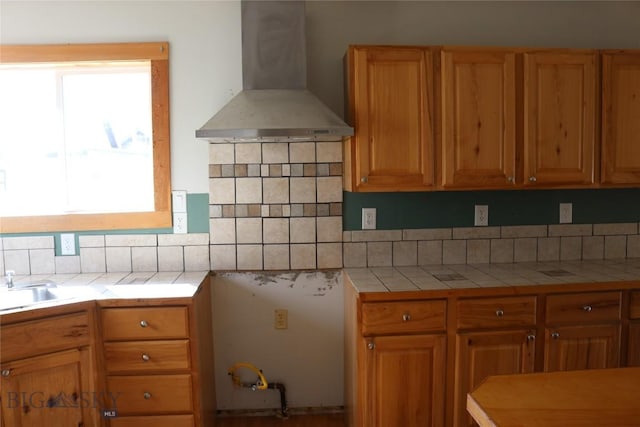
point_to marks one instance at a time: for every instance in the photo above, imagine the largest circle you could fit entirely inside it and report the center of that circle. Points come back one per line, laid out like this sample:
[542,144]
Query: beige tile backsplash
[287,216]
[312,242]
[492,245]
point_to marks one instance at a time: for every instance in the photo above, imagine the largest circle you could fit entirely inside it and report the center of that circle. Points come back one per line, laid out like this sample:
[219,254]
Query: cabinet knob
[364,179]
[587,308]
[533,179]
[6,372]
[145,357]
[406,317]
[510,179]
[146,395]
[555,335]
[499,312]
[371,346]
[143,324]
[531,337]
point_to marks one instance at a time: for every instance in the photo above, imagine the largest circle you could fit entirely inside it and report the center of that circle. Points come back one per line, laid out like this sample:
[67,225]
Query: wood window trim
[158,54]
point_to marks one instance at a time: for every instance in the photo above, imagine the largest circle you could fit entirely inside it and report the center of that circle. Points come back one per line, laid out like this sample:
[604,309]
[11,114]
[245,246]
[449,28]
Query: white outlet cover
[566,213]
[180,223]
[368,218]
[481,217]
[67,244]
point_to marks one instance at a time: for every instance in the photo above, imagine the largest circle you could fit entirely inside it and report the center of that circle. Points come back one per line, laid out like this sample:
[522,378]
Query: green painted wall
[508,207]
[197,222]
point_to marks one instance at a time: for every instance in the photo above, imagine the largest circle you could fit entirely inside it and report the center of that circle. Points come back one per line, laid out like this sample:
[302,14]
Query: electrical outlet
[281,318]
[368,218]
[180,223]
[67,244]
[566,213]
[481,218]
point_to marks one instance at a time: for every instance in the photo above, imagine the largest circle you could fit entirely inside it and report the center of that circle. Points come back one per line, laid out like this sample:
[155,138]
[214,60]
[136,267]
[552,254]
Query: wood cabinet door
[478,118]
[481,354]
[570,348]
[559,118]
[620,113]
[53,390]
[633,352]
[405,384]
[392,111]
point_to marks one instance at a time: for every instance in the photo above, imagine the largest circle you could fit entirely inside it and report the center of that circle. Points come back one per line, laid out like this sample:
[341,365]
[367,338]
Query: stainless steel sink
[29,296]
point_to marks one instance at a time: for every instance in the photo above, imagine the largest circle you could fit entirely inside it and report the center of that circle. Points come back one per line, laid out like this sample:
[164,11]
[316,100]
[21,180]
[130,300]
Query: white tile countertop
[71,288]
[443,277]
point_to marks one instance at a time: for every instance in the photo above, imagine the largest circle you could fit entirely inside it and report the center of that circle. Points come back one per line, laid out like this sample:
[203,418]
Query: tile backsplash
[483,245]
[107,253]
[294,241]
[275,205]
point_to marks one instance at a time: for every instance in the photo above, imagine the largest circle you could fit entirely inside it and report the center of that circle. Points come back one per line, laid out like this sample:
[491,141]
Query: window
[84,137]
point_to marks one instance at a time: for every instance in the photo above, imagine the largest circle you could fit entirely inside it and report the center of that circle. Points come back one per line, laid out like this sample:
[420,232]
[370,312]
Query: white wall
[204,43]
[307,357]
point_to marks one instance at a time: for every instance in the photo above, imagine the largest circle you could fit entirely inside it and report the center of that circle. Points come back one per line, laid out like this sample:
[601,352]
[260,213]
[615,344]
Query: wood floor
[326,420]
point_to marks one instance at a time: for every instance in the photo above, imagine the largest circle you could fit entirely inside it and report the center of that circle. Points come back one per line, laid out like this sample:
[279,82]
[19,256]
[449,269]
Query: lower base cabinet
[481,354]
[569,348]
[412,357]
[633,353]
[405,385]
[52,390]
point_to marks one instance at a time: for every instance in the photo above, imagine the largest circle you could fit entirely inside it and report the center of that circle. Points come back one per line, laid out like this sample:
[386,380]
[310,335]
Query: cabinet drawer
[403,317]
[35,337]
[496,312]
[634,306]
[583,307]
[151,394]
[154,421]
[145,323]
[134,356]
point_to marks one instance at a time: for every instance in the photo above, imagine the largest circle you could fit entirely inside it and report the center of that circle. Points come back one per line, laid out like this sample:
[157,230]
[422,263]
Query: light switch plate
[179,201]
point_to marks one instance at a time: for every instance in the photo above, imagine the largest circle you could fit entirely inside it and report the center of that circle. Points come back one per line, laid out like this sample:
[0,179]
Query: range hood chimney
[274,102]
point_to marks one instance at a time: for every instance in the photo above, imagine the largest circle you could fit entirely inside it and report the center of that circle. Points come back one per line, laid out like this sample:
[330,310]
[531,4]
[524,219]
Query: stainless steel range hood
[274,102]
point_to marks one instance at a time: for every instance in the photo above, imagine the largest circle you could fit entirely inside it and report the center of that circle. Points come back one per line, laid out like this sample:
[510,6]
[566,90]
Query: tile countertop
[443,277]
[97,286]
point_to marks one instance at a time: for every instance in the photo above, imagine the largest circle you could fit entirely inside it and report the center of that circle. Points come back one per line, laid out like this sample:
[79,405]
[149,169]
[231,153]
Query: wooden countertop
[598,397]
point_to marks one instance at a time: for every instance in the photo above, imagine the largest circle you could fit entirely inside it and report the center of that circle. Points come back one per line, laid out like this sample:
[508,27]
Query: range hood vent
[274,102]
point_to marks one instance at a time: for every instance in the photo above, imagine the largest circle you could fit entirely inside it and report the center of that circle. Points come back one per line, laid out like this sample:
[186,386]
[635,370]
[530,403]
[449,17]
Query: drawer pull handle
[587,308]
[145,357]
[499,313]
[371,346]
[533,179]
[531,337]
[147,395]
[555,335]
[143,324]
[406,317]
[6,372]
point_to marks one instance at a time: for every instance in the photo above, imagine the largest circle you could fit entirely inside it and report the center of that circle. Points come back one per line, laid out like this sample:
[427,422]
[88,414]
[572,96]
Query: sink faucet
[9,278]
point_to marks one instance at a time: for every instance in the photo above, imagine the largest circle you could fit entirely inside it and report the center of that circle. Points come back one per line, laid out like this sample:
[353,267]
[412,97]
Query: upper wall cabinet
[560,90]
[518,118]
[478,118]
[390,92]
[620,118]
